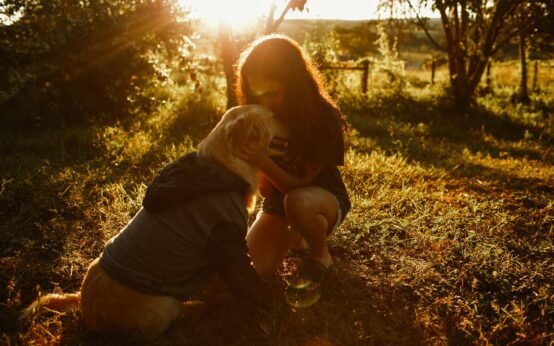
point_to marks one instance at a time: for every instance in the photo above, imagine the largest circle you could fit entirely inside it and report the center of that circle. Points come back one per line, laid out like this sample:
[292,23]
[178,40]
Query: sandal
[314,271]
[303,253]
[305,291]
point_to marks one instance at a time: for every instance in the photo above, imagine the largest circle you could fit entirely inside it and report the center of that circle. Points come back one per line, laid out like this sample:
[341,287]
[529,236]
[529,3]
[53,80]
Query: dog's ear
[238,131]
[255,134]
[261,128]
[231,130]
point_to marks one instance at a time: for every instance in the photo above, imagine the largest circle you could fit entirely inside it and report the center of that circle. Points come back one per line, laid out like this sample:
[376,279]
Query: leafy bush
[389,61]
[65,62]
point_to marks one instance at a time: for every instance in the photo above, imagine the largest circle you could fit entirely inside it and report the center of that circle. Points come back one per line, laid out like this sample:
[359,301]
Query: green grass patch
[450,238]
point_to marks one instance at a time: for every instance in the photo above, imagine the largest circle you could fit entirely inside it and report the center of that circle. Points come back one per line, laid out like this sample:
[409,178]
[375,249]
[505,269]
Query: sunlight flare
[241,13]
[237,14]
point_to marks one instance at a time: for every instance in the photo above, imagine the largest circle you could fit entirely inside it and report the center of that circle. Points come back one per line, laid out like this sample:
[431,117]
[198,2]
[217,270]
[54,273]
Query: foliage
[474,32]
[389,61]
[358,40]
[63,62]
[539,17]
[323,48]
[326,49]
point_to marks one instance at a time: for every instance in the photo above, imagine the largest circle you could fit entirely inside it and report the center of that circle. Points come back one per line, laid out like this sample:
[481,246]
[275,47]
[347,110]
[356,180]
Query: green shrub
[63,63]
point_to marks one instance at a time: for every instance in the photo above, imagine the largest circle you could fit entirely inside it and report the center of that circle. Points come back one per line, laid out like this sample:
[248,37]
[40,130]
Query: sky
[317,9]
[333,9]
[240,12]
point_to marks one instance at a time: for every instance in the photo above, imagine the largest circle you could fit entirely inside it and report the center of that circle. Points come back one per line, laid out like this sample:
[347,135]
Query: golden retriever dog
[111,307]
[239,125]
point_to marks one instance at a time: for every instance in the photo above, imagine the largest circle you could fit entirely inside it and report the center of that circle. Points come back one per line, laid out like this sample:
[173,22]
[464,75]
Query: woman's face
[269,93]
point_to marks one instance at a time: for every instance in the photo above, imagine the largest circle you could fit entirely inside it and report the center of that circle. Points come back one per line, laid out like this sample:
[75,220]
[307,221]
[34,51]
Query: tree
[68,60]
[230,50]
[536,20]
[541,33]
[474,31]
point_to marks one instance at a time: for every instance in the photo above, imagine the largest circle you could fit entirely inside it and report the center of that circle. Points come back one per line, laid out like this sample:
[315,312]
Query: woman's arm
[281,179]
[266,187]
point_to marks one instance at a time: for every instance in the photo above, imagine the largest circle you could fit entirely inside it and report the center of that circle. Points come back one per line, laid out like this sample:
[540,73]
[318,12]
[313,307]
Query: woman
[305,198]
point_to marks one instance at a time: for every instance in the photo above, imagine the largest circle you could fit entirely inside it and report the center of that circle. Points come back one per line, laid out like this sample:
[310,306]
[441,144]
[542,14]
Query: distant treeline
[358,38]
[89,61]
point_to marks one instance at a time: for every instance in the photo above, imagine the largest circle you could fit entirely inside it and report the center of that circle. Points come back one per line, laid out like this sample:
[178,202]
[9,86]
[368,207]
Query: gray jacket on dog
[175,250]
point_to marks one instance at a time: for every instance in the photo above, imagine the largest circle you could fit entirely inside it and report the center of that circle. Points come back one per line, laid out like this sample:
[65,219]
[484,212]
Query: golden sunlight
[237,13]
[240,13]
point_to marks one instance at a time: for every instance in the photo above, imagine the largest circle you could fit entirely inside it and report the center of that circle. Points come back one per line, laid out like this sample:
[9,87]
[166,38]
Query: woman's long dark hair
[279,58]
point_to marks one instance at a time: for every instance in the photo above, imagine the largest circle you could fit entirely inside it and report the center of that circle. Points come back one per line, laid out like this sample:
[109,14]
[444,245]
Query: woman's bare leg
[312,211]
[268,240]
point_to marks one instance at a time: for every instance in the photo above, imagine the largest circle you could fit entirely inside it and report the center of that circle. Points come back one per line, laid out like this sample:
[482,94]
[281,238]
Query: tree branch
[279,20]
[505,40]
[269,22]
[421,24]
[465,19]
[503,11]
[448,34]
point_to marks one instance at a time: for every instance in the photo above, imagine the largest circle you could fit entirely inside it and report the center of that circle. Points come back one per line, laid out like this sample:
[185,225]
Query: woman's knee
[299,204]
[310,206]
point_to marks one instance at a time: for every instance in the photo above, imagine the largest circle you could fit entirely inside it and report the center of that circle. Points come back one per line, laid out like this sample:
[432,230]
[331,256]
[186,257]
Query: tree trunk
[463,95]
[536,76]
[270,21]
[467,63]
[462,88]
[229,55]
[488,78]
[433,67]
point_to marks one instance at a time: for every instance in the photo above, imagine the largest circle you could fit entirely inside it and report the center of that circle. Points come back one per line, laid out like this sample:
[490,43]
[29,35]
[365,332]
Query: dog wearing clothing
[192,225]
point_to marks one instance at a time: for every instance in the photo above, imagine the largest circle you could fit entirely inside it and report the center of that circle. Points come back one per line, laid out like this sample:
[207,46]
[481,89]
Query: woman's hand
[253,153]
[258,156]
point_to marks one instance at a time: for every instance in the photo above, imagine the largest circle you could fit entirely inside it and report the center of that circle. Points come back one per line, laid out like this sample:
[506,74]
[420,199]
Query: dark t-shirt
[326,141]
[325,146]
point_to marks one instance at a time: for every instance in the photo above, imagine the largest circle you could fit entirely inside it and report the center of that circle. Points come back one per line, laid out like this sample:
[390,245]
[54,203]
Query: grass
[449,241]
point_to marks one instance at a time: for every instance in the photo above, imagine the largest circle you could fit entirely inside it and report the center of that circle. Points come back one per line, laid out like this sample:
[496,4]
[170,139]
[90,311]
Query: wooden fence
[363,66]
[433,64]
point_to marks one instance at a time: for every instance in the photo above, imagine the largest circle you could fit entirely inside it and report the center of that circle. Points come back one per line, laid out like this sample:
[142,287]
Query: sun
[237,13]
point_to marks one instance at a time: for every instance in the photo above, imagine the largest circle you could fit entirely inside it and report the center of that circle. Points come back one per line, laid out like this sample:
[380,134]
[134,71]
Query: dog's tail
[52,302]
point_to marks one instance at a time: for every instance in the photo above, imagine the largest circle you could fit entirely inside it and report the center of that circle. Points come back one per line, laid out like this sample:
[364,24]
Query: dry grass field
[450,239]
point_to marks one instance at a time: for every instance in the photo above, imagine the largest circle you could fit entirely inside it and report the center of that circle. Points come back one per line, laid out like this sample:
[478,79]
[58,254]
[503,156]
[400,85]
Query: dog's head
[238,126]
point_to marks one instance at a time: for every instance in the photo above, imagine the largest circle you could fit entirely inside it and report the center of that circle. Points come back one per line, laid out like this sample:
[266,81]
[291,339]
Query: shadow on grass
[53,184]
[47,220]
[432,133]
[349,313]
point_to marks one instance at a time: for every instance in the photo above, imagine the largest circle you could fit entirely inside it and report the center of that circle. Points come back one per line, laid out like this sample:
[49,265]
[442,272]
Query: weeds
[449,241]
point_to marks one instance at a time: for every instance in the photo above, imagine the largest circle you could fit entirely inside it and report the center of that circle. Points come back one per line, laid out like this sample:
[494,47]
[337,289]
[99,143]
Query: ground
[450,239]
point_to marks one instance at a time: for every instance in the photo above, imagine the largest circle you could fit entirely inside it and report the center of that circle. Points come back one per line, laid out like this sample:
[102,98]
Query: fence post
[536,76]
[489,81]
[365,75]
[433,66]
